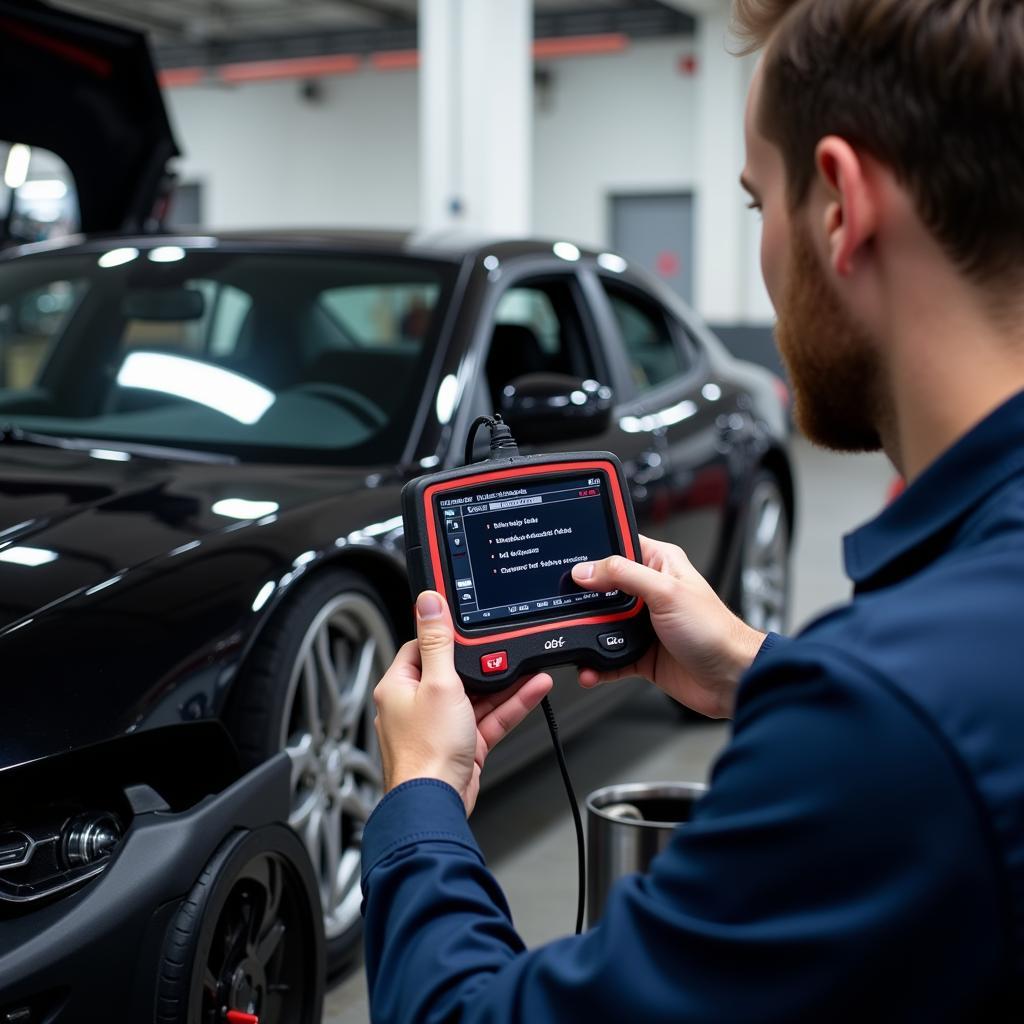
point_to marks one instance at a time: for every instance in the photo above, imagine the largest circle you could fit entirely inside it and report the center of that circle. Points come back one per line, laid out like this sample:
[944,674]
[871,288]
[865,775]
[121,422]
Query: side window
[538,329]
[29,325]
[652,347]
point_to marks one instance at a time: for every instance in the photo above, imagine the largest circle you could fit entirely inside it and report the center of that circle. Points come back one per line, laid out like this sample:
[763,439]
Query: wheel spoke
[355,803]
[332,851]
[362,765]
[210,983]
[328,680]
[269,942]
[302,758]
[357,693]
[311,697]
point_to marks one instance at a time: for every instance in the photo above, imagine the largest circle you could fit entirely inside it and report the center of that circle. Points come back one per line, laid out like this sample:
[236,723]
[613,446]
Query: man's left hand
[428,727]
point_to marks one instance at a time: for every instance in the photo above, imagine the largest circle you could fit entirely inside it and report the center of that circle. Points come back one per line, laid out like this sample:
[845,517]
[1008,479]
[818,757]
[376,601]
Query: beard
[832,361]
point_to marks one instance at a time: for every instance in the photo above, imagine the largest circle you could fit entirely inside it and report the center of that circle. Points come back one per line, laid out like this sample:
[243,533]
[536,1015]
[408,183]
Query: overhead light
[712,392]
[110,454]
[609,261]
[223,390]
[27,556]
[243,508]
[115,257]
[16,171]
[566,251]
[166,254]
[491,263]
[263,596]
[304,559]
[43,188]
[446,395]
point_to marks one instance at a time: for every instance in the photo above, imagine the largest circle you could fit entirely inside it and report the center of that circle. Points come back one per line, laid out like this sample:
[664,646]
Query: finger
[618,573]
[436,639]
[590,677]
[500,721]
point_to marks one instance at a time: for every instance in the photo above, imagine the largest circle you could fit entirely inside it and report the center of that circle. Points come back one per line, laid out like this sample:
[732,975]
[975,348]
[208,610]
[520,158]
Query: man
[860,855]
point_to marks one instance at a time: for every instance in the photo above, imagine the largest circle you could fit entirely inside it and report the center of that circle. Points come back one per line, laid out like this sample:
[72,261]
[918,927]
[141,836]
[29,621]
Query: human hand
[702,648]
[428,727]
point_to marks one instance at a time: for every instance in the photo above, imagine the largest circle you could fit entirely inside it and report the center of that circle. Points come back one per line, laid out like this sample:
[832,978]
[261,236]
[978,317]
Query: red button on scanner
[493,663]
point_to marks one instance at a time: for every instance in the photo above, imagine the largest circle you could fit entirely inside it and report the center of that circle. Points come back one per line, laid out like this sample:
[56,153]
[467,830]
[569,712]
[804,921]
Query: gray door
[656,232]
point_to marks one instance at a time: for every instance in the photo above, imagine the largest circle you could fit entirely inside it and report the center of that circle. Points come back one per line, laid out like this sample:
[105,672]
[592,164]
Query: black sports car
[203,441]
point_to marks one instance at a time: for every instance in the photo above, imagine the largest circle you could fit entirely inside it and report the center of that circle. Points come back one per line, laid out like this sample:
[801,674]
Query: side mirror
[542,407]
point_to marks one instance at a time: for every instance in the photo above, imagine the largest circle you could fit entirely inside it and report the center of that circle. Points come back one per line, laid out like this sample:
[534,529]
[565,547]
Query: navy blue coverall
[860,854]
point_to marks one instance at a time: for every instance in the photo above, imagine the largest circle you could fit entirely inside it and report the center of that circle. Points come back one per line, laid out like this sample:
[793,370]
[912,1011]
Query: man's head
[878,128]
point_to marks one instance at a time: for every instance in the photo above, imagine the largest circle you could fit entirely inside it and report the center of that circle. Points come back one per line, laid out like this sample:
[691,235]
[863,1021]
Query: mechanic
[860,854]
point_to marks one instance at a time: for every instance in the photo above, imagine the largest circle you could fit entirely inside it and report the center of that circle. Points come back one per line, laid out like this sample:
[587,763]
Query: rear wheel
[307,689]
[760,592]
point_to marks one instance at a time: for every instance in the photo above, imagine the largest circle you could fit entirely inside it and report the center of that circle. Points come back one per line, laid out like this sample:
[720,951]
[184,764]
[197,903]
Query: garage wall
[604,124]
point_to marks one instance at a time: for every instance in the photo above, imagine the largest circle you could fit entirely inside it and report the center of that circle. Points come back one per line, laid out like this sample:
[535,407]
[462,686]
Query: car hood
[87,91]
[71,521]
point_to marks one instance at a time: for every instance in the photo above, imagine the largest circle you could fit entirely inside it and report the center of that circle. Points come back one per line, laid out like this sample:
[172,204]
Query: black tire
[261,717]
[256,881]
[759,591]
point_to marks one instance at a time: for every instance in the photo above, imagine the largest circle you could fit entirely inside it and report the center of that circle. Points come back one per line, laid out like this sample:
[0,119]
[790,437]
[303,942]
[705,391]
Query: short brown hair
[932,88]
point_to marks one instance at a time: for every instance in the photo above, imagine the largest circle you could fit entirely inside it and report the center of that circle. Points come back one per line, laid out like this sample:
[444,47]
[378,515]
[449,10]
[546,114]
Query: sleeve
[837,870]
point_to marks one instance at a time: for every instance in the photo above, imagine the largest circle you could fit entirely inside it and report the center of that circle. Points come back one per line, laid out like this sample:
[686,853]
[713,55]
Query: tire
[247,937]
[760,589]
[336,778]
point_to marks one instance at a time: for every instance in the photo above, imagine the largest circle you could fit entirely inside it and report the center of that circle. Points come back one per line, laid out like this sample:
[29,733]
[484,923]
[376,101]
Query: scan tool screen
[510,549]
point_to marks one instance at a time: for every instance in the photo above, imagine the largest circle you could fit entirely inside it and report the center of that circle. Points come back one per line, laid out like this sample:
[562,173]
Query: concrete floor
[524,826]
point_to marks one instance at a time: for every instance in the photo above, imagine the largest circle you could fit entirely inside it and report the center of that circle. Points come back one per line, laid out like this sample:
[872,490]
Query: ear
[851,209]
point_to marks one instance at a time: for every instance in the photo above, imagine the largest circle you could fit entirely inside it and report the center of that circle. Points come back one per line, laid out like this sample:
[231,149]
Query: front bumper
[94,955]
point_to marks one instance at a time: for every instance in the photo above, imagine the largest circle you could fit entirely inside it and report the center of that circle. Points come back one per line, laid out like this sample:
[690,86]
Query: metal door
[656,233]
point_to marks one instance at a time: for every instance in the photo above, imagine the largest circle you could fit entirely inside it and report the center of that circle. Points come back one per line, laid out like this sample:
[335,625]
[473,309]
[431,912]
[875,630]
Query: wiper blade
[10,434]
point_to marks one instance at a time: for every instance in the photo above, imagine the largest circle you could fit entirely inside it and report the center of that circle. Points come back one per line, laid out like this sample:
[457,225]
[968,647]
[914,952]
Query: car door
[669,419]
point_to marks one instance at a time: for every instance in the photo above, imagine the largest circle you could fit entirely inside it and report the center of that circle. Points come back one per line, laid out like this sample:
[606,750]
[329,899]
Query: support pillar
[476,111]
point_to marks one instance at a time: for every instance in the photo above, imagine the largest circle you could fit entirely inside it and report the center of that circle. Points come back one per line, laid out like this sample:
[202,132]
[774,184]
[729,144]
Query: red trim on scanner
[560,469]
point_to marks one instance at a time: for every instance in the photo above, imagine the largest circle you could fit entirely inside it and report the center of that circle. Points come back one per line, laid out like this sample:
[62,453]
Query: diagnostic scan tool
[498,540]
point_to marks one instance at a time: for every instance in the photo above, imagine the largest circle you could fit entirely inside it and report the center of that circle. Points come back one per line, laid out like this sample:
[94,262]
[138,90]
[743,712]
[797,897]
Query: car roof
[454,246]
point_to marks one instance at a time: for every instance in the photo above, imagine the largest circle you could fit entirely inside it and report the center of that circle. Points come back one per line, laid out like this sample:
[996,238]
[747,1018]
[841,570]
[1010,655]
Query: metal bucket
[626,826]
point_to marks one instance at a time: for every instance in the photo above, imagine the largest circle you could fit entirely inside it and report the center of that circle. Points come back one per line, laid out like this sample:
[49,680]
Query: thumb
[618,573]
[436,637]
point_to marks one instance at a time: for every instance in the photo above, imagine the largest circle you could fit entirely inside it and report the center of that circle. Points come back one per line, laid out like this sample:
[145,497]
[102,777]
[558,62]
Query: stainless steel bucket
[626,826]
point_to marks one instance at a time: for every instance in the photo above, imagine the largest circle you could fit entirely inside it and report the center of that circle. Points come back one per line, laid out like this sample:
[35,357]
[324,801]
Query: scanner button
[493,663]
[612,641]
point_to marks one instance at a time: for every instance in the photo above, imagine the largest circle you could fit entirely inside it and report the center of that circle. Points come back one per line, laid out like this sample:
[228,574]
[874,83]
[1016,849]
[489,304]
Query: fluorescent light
[243,508]
[304,559]
[227,392]
[27,556]
[116,257]
[264,595]
[566,251]
[16,171]
[609,261]
[491,263]
[712,392]
[167,254]
[110,455]
[43,188]
[446,395]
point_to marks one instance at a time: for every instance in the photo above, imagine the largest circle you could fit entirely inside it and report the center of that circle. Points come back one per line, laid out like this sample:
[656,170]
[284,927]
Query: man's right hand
[702,648]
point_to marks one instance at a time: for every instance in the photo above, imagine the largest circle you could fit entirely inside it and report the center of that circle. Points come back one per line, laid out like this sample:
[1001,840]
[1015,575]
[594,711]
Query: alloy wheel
[764,580]
[329,734]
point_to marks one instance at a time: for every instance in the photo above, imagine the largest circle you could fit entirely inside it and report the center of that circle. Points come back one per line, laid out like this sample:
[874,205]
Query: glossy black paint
[145,617]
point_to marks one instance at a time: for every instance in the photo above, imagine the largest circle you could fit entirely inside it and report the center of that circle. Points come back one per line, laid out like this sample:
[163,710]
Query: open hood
[87,91]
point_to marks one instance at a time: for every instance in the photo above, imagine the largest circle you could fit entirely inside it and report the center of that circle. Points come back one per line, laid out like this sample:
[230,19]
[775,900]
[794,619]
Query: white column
[723,233]
[476,109]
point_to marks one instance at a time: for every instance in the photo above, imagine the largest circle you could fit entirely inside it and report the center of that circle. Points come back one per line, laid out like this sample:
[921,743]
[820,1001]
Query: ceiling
[185,32]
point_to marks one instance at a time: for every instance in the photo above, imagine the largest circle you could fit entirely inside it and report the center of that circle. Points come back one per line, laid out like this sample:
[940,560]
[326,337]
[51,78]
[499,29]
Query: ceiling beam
[696,7]
[386,14]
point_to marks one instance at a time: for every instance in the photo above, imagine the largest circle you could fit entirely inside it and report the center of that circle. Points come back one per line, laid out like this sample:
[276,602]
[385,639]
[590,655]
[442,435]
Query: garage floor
[524,826]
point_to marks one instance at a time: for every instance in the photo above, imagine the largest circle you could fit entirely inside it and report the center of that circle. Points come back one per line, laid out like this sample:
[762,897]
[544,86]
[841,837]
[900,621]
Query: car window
[271,356]
[372,316]
[538,328]
[29,324]
[38,199]
[652,346]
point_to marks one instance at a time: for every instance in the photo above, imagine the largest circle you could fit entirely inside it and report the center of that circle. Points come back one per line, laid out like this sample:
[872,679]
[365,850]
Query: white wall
[623,122]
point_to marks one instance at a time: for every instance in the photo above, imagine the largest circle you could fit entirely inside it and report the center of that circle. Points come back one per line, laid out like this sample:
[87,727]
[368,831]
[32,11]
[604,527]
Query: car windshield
[266,356]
